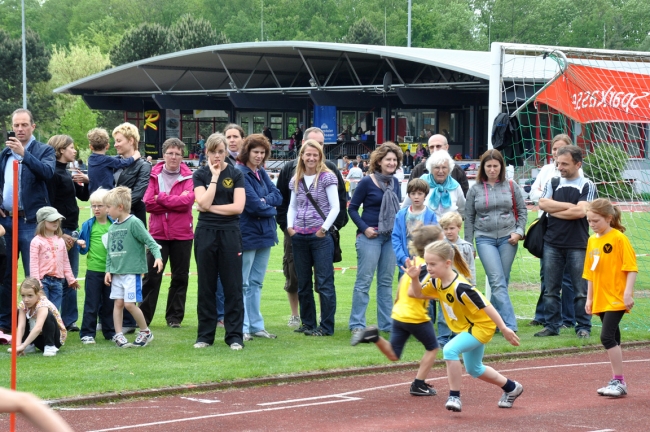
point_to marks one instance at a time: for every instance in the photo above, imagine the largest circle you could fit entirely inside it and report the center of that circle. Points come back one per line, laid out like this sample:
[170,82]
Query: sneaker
[422,390]
[236,346]
[50,351]
[546,332]
[583,334]
[301,329]
[128,330]
[143,339]
[603,390]
[247,337]
[535,323]
[614,389]
[87,340]
[121,341]
[220,324]
[356,330]
[294,321]
[174,324]
[264,334]
[201,345]
[507,399]
[454,404]
[72,327]
[367,335]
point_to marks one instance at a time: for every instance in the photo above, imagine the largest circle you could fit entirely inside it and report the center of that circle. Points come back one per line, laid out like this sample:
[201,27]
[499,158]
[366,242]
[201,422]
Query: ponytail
[605,208]
[447,251]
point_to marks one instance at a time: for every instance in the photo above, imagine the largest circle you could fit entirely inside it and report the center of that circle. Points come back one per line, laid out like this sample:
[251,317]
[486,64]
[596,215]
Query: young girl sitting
[469,315]
[410,317]
[39,322]
[610,270]
[48,256]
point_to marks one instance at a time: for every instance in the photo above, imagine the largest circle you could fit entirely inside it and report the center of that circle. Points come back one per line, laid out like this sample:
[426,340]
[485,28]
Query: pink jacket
[170,212]
[45,261]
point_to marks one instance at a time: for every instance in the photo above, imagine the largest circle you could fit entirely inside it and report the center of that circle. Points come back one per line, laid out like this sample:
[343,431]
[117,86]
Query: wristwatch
[323,230]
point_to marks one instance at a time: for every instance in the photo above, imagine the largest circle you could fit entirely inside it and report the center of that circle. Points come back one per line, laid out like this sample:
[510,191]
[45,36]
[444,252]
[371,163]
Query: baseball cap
[49,214]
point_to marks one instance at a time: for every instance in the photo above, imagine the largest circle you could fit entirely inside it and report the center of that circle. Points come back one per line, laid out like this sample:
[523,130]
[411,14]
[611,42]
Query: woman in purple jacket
[169,199]
[258,229]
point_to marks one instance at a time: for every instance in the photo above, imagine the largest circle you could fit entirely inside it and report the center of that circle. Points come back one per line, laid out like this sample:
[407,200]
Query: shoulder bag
[336,236]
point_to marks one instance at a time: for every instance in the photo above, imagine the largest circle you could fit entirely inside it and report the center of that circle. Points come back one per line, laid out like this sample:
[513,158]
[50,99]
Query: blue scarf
[440,192]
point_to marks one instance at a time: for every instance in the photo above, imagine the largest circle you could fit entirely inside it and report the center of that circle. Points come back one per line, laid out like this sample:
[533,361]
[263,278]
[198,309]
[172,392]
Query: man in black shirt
[287,172]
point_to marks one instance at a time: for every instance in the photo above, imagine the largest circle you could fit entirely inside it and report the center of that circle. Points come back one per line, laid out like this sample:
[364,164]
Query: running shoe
[143,339]
[247,337]
[87,340]
[50,351]
[454,404]
[507,399]
[422,390]
[615,388]
[264,334]
[201,345]
[121,341]
[236,346]
[601,391]
[367,335]
[294,321]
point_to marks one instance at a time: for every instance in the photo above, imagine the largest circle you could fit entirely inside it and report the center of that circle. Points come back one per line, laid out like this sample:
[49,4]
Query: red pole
[14,294]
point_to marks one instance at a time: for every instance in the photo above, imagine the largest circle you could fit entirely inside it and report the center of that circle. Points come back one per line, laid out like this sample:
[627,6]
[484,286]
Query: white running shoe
[507,399]
[454,404]
[50,351]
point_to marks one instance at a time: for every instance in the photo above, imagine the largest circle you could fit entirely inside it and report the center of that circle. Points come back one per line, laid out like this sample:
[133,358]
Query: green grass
[170,359]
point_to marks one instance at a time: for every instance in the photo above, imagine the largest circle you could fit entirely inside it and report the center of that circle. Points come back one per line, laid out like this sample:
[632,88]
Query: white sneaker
[294,321]
[201,345]
[454,404]
[87,340]
[507,399]
[264,334]
[616,389]
[236,347]
[50,351]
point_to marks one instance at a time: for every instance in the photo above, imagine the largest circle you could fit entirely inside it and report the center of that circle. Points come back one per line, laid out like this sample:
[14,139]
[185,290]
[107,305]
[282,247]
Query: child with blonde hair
[610,270]
[451,224]
[48,256]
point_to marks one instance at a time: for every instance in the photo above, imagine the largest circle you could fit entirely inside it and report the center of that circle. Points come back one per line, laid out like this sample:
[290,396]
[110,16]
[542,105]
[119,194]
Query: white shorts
[127,287]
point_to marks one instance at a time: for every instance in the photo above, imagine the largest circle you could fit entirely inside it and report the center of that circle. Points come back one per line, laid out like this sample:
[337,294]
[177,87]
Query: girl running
[610,270]
[469,315]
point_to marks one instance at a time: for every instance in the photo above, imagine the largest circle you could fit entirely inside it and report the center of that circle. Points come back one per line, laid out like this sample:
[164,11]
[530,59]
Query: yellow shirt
[462,306]
[608,259]
[408,309]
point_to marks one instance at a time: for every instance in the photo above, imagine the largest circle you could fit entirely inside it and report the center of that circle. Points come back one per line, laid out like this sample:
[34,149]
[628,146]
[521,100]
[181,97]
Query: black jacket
[457,174]
[288,171]
[136,177]
[63,194]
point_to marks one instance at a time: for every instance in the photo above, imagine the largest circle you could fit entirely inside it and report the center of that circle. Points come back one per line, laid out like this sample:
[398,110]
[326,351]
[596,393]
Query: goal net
[601,99]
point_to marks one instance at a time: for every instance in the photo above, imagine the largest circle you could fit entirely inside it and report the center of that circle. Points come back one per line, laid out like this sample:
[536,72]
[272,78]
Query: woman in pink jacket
[169,199]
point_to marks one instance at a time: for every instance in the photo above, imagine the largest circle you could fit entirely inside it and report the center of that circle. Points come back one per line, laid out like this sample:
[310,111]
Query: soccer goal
[601,99]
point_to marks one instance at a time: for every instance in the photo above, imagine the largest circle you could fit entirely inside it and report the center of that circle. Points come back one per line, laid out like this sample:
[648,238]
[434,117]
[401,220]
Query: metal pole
[24,59]
[409,36]
[14,294]
[262,22]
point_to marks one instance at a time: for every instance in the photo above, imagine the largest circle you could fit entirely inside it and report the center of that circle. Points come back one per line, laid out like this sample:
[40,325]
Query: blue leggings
[472,350]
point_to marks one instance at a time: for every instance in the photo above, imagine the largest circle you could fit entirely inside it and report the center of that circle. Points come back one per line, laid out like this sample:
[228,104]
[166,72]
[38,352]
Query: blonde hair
[422,236]
[447,251]
[562,137]
[59,143]
[300,168]
[31,283]
[605,208]
[130,131]
[98,138]
[40,229]
[98,196]
[451,218]
[120,196]
[213,141]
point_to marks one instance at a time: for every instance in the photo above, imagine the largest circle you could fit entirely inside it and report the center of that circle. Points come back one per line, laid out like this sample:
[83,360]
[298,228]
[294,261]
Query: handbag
[534,241]
[336,236]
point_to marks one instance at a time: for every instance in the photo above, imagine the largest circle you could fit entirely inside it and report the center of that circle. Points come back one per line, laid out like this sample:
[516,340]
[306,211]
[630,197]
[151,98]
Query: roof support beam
[232,80]
[297,75]
[419,73]
[253,71]
[352,68]
[338,61]
[179,78]
[272,73]
[392,66]
[197,81]
[442,75]
[152,80]
[308,68]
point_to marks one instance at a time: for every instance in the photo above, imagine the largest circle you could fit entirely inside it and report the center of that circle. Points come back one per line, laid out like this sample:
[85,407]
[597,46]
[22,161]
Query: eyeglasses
[97,206]
[174,155]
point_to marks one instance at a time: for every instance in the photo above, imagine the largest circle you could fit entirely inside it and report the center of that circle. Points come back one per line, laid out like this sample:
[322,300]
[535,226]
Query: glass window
[291,124]
[407,126]
[428,124]
[275,124]
[348,121]
[259,121]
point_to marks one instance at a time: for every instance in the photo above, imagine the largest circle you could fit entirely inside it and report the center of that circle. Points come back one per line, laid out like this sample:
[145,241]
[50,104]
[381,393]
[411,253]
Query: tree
[363,32]
[145,41]
[190,32]
[77,121]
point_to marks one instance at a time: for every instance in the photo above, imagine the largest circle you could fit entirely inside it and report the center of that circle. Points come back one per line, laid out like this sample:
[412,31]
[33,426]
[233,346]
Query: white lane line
[341,397]
[205,401]
[103,408]
[308,399]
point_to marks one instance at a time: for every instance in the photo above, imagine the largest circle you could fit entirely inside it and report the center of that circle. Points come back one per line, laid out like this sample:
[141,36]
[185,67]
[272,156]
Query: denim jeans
[572,261]
[53,289]
[373,255]
[311,251]
[254,264]
[25,235]
[568,314]
[497,256]
[69,309]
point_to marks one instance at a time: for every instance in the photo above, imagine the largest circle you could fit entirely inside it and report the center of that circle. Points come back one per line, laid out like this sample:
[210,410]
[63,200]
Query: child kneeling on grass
[126,261]
[410,317]
[467,313]
[39,323]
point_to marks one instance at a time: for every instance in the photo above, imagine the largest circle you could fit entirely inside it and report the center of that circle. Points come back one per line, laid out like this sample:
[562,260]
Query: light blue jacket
[399,236]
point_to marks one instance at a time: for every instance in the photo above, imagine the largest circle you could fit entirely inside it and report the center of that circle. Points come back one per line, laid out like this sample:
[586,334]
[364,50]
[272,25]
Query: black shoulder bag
[338,255]
[534,240]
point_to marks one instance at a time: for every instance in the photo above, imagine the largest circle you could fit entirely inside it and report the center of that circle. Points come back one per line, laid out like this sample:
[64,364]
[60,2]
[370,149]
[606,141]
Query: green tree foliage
[77,121]
[190,32]
[605,166]
[363,32]
[147,40]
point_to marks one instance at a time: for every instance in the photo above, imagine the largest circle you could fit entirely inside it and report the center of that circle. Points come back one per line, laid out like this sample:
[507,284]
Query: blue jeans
[69,309]
[53,289]
[572,261]
[568,315]
[373,255]
[311,251]
[25,235]
[254,264]
[497,256]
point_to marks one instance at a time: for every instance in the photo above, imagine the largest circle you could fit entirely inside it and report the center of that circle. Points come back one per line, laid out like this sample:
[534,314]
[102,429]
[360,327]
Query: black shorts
[423,332]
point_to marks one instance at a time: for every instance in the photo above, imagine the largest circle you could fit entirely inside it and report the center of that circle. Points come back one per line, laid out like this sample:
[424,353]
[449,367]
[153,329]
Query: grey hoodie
[492,215]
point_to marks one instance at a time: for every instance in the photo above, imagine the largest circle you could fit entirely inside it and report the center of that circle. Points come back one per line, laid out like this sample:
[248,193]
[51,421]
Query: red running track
[559,395]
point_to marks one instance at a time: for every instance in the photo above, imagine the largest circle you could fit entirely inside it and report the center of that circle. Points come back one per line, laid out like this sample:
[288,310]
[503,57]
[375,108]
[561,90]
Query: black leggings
[50,333]
[610,336]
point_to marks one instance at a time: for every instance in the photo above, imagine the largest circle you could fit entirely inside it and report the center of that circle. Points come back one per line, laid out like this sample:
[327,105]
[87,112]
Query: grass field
[170,359]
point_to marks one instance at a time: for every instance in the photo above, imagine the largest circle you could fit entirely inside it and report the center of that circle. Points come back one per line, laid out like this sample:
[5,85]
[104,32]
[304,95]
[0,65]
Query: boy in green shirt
[126,261]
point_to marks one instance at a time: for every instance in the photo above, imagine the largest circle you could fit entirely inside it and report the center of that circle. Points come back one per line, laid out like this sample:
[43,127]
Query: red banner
[588,94]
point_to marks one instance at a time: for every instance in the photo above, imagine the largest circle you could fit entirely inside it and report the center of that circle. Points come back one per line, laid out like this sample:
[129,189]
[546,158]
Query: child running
[410,317]
[126,261]
[469,315]
[610,270]
[48,256]
[39,323]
